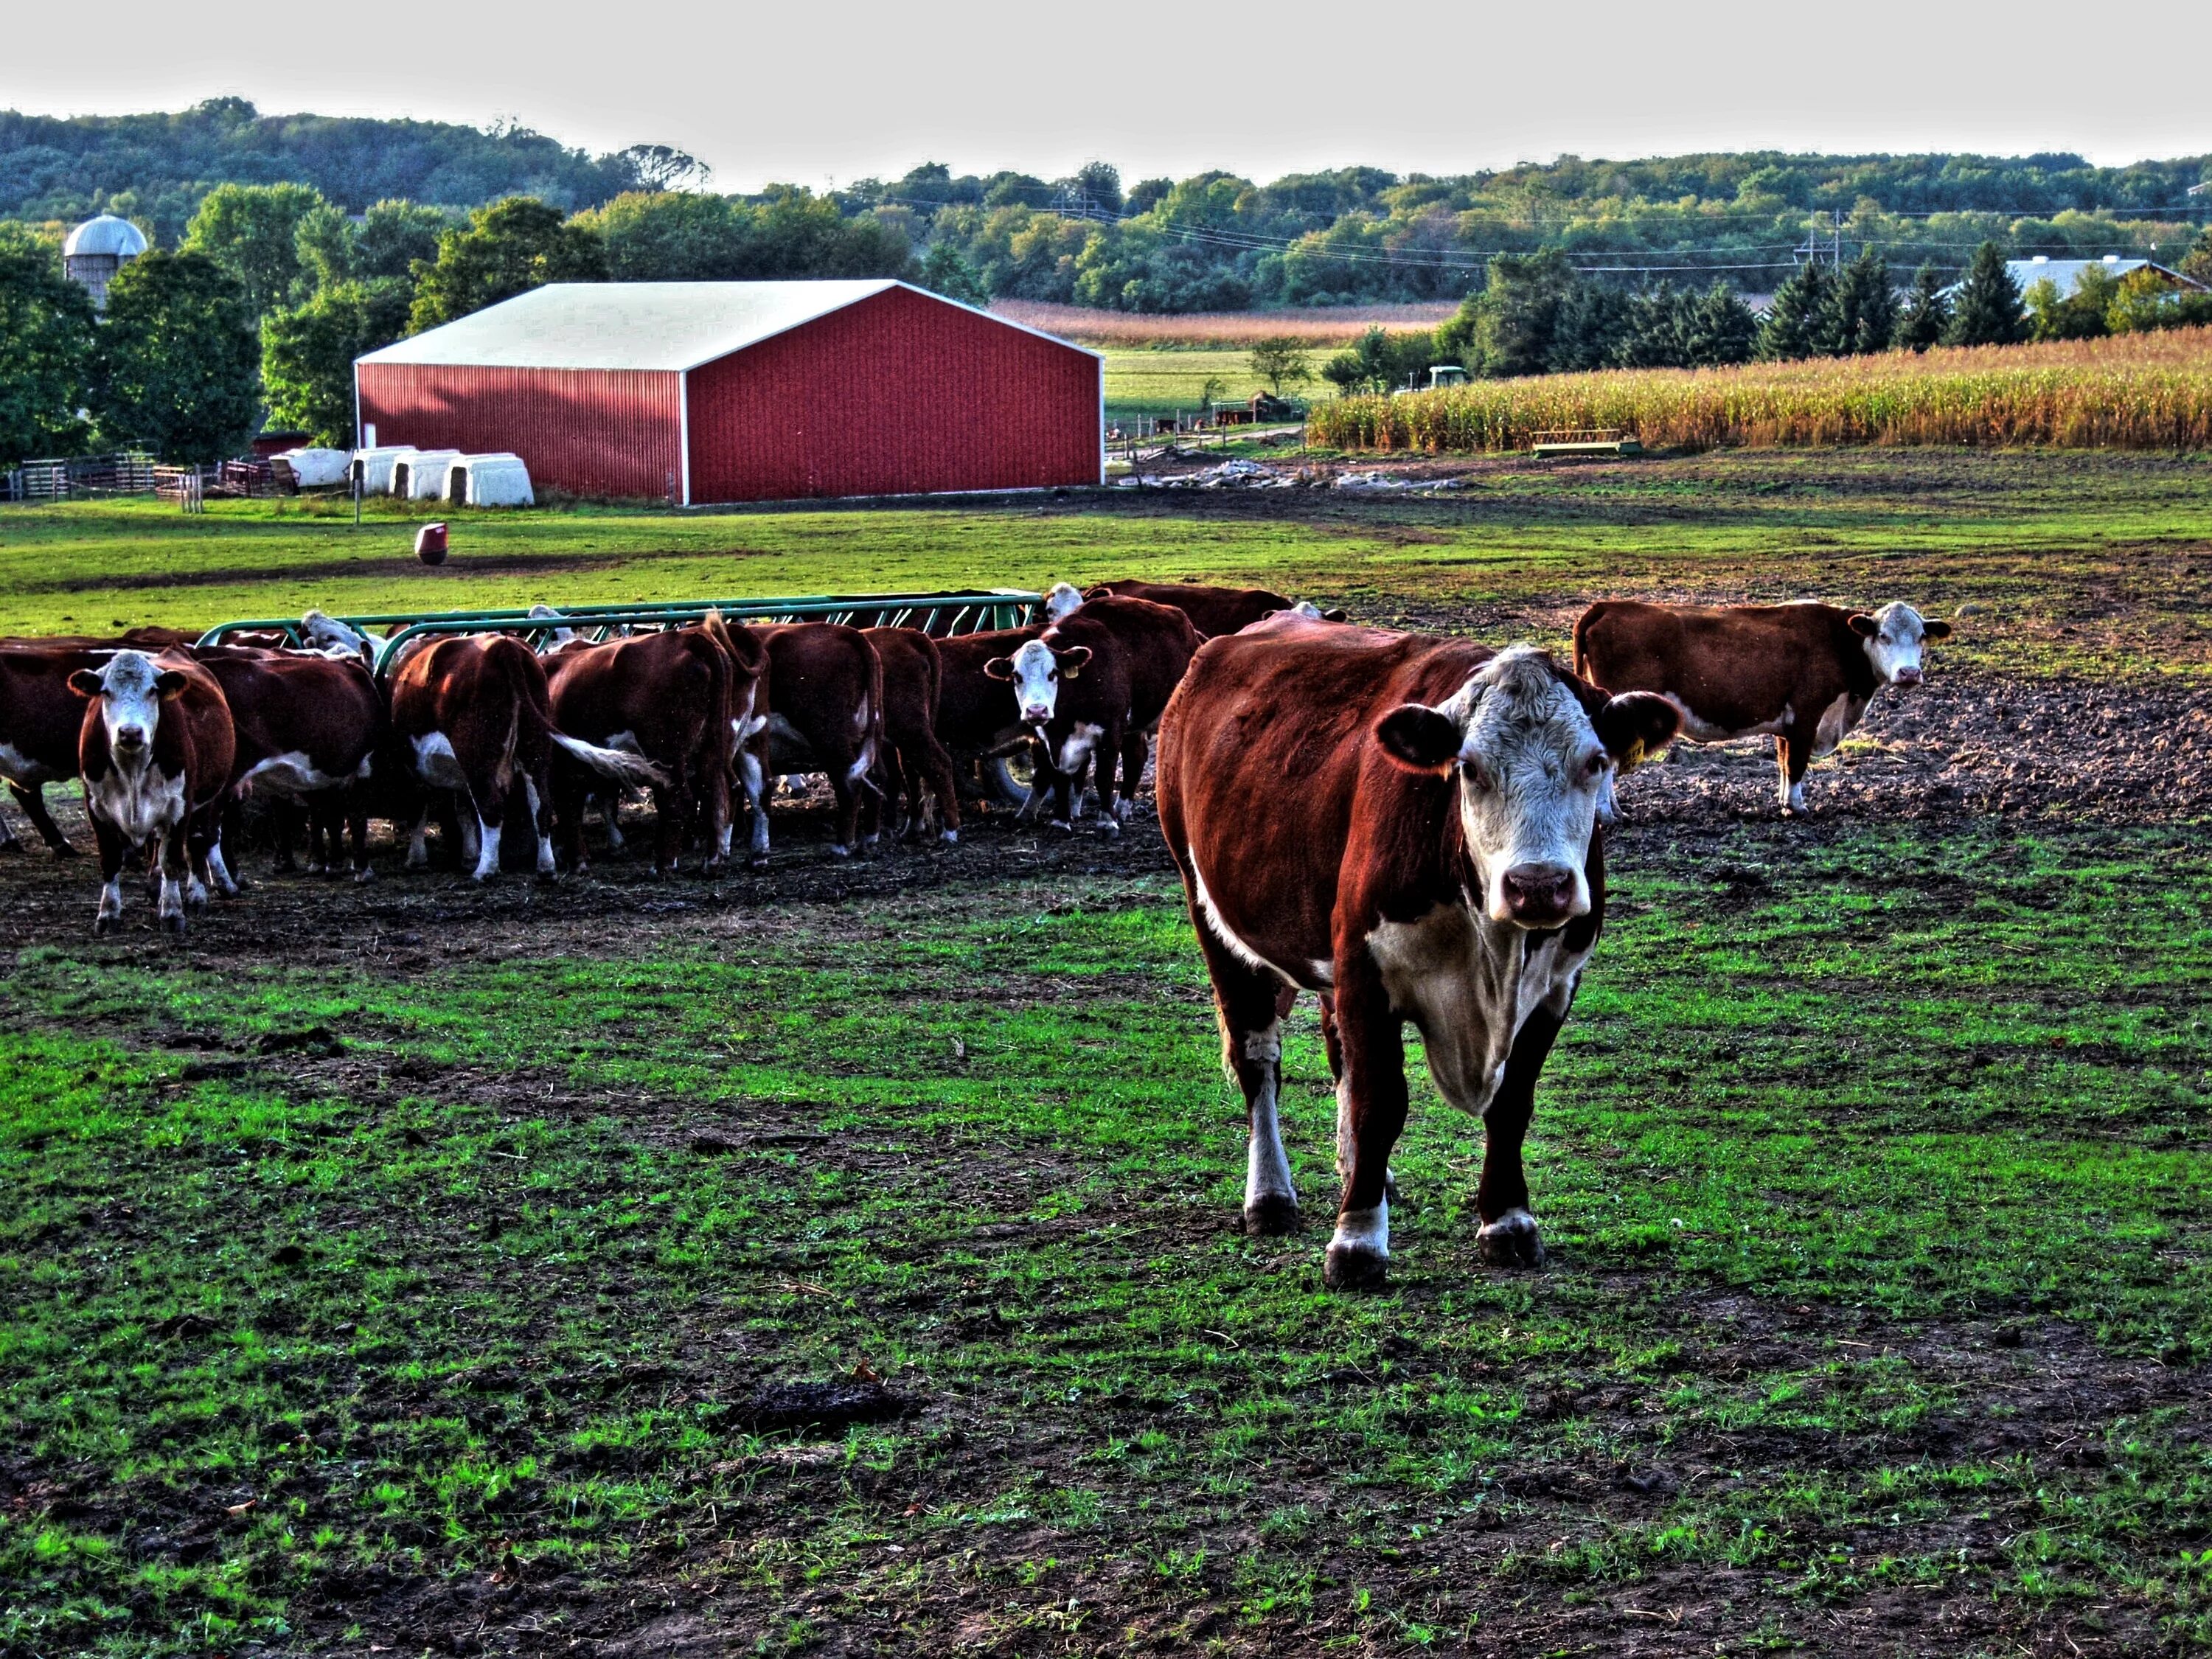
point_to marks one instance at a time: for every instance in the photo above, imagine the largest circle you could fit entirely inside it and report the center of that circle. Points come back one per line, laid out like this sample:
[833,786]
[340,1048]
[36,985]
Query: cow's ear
[1635,725]
[1863,625]
[1335,615]
[1073,660]
[999,668]
[170,684]
[1936,630]
[86,683]
[1419,738]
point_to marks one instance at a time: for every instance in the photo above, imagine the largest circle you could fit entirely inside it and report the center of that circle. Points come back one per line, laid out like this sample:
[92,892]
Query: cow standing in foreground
[1803,673]
[154,751]
[1406,826]
[1094,685]
[472,715]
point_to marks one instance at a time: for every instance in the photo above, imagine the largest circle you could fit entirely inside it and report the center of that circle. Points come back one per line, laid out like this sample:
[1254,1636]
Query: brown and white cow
[154,751]
[667,697]
[914,766]
[1212,610]
[1406,826]
[824,709]
[308,727]
[472,714]
[1095,683]
[1803,673]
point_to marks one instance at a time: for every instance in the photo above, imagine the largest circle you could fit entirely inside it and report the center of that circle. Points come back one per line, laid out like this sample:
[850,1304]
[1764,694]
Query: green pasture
[1162,379]
[2069,561]
[468,1271]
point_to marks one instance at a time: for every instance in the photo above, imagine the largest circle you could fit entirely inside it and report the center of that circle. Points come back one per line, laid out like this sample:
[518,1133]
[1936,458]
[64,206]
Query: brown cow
[669,697]
[1095,683]
[154,751]
[1803,673]
[472,714]
[913,764]
[1406,826]
[824,708]
[41,719]
[1212,610]
[308,725]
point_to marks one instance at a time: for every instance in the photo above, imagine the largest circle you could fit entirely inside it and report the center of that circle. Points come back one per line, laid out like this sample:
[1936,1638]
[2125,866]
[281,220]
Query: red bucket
[430,543]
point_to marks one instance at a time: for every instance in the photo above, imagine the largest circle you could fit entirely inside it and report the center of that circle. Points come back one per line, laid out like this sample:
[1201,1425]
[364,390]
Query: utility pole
[1836,260]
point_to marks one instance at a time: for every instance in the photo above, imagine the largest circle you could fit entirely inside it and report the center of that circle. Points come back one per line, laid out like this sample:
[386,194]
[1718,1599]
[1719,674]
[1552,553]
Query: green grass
[1162,379]
[467,1294]
[2074,561]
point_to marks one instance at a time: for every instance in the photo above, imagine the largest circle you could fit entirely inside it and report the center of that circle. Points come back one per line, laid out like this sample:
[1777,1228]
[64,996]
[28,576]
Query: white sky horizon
[815,96]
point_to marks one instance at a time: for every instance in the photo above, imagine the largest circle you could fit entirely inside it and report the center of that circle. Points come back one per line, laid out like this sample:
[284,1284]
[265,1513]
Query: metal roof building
[2066,274]
[740,391]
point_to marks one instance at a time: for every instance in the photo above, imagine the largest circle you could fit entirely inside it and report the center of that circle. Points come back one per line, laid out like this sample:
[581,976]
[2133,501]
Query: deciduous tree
[1281,360]
[46,350]
[508,248]
[178,364]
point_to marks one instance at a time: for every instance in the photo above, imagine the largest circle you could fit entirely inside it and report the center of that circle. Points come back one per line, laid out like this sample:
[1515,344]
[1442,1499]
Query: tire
[1005,779]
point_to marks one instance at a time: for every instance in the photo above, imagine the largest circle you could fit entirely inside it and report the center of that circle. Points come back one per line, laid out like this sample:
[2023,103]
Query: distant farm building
[2066,274]
[96,250]
[743,391]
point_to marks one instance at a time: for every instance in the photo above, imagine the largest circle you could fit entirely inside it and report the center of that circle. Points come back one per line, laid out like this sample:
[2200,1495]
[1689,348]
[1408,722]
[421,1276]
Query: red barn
[744,392]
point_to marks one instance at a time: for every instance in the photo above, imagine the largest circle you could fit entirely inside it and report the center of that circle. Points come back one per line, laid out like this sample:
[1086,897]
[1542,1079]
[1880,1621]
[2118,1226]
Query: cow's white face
[1891,638]
[1530,766]
[1064,598]
[319,632]
[1035,671]
[131,690]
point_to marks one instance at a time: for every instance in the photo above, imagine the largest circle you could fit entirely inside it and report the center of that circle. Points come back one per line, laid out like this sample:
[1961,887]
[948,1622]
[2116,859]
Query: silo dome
[117,238]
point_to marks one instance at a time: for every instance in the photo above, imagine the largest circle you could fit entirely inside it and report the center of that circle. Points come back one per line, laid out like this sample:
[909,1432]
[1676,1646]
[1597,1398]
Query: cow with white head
[155,752]
[1406,827]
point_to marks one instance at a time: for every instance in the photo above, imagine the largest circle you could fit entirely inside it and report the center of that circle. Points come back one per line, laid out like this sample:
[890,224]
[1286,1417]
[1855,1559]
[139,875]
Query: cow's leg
[1248,1002]
[32,798]
[1792,753]
[752,772]
[284,830]
[668,815]
[849,776]
[1106,754]
[114,853]
[936,770]
[1136,749]
[1371,1115]
[713,790]
[537,793]
[570,797]
[1509,1237]
[418,838]
[356,814]
[176,870]
[205,866]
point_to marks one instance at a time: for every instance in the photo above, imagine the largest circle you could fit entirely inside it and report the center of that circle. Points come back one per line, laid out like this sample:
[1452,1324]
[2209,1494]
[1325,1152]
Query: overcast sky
[812,92]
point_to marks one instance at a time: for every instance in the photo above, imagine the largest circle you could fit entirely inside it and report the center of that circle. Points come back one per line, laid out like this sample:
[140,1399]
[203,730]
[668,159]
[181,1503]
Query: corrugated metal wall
[588,432]
[899,394]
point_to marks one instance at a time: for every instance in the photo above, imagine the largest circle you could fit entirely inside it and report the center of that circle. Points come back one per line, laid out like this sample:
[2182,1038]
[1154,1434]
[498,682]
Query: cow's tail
[633,771]
[1582,645]
[871,722]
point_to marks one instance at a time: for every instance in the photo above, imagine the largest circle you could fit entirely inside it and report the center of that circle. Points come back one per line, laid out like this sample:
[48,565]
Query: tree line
[1538,314]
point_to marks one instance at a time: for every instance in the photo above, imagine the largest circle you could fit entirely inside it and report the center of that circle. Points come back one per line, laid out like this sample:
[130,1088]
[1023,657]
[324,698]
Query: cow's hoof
[1354,1267]
[363,876]
[1511,1241]
[1272,1216]
[950,837]
[549,878]
[64,850]
[173,925]
[1109,827]
[839,850]
[102,926]
[758,862]
[1062,825]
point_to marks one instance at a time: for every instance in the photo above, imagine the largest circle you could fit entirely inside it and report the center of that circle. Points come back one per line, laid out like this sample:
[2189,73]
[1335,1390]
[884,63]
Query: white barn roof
[635,326]
[117,238]
[2066,274]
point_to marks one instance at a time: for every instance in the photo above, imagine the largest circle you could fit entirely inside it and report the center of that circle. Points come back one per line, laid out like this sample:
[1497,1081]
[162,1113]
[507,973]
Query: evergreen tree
[1802,322]
[1716,329]
[1986,310]
[1865,306]
[1926,312]
[178,367]
[46,351]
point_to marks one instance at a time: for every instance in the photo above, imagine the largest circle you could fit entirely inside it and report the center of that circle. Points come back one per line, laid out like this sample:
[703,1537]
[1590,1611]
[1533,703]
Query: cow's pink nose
[1035,714]
[1539,895]
[1908,677]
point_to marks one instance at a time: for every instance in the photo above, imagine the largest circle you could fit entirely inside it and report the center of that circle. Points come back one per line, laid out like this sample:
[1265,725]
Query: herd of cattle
[1401,824]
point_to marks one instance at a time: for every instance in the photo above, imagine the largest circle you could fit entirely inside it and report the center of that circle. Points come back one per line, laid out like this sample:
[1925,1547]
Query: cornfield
[2130,391]
[1318,327]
